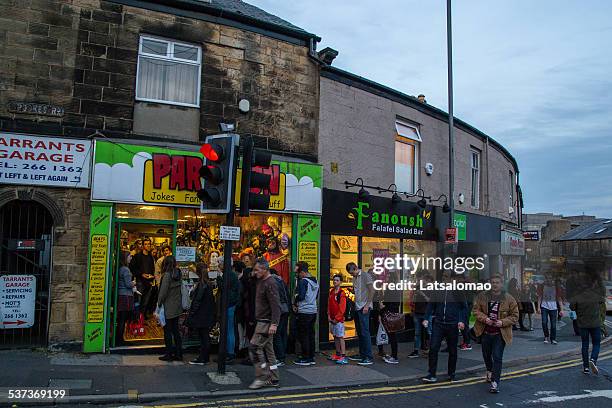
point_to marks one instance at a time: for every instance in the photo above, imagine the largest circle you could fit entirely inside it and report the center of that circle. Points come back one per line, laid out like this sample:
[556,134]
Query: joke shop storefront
[144,203]
[360,230]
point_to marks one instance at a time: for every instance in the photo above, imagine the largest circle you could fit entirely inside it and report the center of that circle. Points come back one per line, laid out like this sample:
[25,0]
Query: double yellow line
[322,396]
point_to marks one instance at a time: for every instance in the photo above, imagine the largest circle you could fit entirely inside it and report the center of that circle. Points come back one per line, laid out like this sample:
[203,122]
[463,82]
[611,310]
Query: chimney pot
[421,98]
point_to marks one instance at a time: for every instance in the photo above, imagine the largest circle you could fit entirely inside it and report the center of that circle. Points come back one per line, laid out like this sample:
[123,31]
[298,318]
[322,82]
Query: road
[560,384]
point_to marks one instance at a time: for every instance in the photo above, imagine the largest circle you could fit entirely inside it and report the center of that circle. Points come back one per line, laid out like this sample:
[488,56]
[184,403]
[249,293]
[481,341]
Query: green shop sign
[460,222]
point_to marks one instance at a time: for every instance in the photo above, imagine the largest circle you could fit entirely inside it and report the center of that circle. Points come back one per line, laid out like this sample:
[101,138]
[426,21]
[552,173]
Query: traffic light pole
[227,268]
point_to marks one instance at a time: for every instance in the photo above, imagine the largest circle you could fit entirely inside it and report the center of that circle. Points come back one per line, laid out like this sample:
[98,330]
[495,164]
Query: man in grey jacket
[306,308]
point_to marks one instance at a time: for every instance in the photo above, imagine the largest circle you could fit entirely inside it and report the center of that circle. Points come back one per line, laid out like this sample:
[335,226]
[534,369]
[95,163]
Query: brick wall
[82,55]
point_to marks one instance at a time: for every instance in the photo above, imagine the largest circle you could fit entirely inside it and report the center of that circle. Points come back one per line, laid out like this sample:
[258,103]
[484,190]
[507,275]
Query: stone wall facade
[82,55]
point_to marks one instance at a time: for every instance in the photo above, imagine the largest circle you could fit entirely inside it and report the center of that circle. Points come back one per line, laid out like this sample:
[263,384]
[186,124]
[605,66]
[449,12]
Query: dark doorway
[25,249]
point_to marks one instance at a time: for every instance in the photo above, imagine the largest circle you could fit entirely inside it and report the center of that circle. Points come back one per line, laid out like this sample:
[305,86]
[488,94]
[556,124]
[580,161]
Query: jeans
[171,331]
[204,344]
[450,331]
[493,353]
[552,315]
[420,336]
[280,338]
[231,334]
[306,333]
[595,334]
[362,325]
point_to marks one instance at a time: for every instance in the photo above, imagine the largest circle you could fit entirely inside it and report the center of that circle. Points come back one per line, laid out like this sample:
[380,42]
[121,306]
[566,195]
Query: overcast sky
[534,75]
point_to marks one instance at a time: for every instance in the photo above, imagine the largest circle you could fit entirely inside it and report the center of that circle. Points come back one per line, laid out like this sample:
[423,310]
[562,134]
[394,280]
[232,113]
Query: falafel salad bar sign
[44,161]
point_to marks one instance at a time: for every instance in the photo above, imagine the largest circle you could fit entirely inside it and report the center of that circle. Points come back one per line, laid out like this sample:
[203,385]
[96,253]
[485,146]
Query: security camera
[429,169]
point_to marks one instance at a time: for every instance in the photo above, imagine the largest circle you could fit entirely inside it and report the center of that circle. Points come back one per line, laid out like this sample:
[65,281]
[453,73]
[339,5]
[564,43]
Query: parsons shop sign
[345,213]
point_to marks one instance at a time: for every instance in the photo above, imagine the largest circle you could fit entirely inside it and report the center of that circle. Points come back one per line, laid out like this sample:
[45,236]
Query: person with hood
[170,298]
[202,313]
[496,314]
[306,309]
[447,310]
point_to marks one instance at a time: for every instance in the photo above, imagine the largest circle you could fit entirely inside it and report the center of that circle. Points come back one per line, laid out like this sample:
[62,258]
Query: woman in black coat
[202,313]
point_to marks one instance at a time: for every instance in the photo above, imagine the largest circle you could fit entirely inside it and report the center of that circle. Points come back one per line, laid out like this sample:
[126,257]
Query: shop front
[512,253]
[360,230]
[144,201]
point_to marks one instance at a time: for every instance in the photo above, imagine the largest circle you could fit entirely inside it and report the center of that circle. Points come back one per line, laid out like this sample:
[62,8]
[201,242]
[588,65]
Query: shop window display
[344,249]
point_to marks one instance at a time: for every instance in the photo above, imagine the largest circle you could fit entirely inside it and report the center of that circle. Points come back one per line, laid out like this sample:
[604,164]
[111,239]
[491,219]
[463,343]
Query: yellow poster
[164,194]
[97,278]
[308,251]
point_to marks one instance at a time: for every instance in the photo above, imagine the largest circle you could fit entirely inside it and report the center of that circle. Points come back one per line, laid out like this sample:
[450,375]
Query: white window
[511,190]
[407,141]
[475,200]
[168,72]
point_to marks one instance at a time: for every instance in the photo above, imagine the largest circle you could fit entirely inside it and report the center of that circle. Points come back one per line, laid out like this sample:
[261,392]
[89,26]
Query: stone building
[163,74]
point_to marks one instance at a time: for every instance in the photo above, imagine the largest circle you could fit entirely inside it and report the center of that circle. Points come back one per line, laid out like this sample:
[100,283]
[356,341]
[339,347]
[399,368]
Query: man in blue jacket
[448,309]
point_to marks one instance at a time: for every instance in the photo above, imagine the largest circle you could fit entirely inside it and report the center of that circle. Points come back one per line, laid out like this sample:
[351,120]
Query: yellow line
[382,391]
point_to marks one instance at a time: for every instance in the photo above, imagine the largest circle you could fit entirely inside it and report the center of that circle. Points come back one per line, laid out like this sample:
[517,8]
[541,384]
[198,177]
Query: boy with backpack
[336,308]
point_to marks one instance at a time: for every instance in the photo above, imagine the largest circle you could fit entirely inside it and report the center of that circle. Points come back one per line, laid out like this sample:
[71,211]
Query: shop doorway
[142,243]
[25,254]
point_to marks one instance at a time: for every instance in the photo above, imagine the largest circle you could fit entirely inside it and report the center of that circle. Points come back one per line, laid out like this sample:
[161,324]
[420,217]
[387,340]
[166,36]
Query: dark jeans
[493,353]
[393,342]
[171,331]
[280,338]
[306,333]
[552,316]
[421,334]
[521,318]
[122,318]
[204,343]
[362,326]
[595,334]
[451,333]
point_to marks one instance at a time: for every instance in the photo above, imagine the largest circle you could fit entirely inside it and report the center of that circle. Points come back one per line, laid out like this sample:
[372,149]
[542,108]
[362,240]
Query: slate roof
[244,12]
[595,230]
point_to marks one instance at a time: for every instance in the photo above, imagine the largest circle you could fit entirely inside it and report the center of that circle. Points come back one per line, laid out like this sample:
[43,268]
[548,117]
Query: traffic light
[254,180]
[218,174]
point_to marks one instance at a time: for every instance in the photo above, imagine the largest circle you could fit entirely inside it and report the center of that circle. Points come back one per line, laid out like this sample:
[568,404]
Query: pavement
[115,378]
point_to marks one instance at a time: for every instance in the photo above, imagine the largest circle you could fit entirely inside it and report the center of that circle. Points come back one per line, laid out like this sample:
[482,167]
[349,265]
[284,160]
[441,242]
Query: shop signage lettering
[345,214]
[36,109]
[389,222]
[97,278]
[17,301]
[125,173]
[531,235]
[460,222]
[512,243]
[185,254]
[308,251]
[43,161]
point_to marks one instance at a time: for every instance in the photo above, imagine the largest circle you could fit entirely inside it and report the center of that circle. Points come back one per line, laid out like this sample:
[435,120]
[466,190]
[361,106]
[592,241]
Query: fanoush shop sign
[346,214]
[126,173]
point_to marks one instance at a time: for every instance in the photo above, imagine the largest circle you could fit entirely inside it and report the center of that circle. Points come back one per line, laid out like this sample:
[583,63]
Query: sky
[533,75]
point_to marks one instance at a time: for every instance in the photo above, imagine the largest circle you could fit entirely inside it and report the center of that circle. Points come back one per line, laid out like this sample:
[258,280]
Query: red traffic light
[212,151]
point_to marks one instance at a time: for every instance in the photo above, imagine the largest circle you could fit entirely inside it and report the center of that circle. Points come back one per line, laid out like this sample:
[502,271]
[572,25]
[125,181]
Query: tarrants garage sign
[44,161]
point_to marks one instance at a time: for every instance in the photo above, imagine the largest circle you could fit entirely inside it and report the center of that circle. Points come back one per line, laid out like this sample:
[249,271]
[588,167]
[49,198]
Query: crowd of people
[262,316]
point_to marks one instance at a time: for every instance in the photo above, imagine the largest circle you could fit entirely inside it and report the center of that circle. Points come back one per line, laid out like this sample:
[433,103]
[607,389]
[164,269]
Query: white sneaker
[546,340]
[257,384]
[390,360]
[593,367]
[554,342]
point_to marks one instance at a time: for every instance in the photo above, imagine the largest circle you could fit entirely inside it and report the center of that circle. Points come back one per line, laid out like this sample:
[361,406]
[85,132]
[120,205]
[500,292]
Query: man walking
[447,310]
[363,286]
[496,313]
[549,300]
[306,308]
[267,315]
[280,338]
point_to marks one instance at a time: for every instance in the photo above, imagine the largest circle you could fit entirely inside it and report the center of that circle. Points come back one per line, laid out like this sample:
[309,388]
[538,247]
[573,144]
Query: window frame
[512,187]
[415,141]
[169,57]
[475,152]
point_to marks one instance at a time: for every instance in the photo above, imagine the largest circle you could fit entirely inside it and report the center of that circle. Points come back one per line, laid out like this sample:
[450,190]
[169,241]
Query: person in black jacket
[202,313]
[448,309]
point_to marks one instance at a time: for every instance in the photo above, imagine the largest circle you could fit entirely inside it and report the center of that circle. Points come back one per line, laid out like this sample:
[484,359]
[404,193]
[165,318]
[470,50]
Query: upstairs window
[407,140]
[168,72]
[475,159]
[511,189]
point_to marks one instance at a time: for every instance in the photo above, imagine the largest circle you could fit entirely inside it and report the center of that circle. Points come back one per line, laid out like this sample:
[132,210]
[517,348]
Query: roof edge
[198,6]
[334,73]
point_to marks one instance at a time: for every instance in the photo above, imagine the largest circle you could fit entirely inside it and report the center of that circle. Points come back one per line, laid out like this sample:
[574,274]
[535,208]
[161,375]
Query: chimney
[327,55]
[421,98]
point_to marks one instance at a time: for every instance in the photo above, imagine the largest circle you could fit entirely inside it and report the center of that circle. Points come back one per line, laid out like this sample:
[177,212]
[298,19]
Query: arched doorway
[25,250]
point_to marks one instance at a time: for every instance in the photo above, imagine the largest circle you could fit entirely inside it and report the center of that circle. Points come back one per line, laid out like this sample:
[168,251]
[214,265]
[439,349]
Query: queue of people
[260,307]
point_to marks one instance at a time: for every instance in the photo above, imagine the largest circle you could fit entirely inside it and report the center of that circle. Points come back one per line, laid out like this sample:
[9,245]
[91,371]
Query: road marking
[324,396]
[563,398]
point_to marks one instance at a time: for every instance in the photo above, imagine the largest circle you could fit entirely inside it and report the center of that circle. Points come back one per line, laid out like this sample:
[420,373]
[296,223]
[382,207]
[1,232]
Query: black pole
[451,121]
[227,267]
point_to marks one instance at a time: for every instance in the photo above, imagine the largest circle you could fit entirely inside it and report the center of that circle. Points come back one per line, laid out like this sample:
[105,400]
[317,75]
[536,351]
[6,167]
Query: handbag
[393,322]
